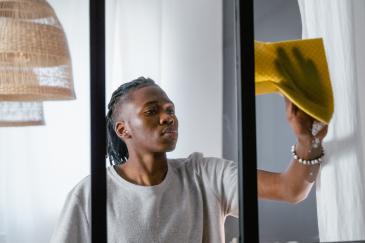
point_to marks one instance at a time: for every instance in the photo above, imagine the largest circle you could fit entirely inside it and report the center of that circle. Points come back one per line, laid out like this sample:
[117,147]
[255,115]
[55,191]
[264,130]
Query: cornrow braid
[116,148]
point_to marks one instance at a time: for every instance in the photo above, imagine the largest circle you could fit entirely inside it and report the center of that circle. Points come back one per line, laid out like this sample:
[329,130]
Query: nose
[167,119]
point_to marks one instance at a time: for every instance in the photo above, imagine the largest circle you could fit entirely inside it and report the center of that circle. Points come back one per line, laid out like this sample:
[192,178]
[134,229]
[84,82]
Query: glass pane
[188,49]
[39,165]
[280,221]
[319,214]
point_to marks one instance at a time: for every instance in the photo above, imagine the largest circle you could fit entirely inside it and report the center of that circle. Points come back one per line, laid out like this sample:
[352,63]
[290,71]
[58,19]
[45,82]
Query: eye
[171,111]
[151,111]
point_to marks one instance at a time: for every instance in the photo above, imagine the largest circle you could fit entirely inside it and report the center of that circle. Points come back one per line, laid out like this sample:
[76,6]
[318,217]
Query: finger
[304,121]
[298,56]
[294,109]
[289,108]
[282,70]
[282,55]
[312,71]
[322,133]
[284,58]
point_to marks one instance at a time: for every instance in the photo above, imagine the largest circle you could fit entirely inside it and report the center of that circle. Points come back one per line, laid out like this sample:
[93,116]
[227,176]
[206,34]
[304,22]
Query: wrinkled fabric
[298,70]
[189,205]
[341,183]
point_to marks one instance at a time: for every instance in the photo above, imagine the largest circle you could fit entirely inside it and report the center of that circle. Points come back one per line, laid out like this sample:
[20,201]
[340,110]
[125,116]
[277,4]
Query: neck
[144,169]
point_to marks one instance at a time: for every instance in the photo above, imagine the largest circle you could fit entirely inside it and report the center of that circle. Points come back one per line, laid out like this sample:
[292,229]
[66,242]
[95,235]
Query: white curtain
[133,41]
[40,165]
[341,185]
[178,44]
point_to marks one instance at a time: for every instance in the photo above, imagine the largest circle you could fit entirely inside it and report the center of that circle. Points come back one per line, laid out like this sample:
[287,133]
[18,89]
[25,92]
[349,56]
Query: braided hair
[116,147]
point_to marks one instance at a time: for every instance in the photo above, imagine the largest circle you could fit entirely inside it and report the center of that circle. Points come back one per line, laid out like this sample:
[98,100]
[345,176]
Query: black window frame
[248,220]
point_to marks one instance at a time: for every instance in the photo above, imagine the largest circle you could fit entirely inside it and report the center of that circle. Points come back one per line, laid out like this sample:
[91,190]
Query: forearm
[298,181]
[269,185]
[295,183]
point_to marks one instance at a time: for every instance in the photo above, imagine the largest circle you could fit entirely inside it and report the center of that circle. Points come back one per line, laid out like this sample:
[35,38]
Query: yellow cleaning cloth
[298,70]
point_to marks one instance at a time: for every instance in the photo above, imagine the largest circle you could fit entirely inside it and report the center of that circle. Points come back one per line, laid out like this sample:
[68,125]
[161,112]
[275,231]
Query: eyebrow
[152,102]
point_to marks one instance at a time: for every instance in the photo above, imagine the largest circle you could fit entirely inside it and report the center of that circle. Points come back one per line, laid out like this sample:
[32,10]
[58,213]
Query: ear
[121,130]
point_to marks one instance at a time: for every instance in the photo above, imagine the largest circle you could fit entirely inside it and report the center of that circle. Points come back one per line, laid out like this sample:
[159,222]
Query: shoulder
[81,192]
[191,162]
[199,164]
[74,221]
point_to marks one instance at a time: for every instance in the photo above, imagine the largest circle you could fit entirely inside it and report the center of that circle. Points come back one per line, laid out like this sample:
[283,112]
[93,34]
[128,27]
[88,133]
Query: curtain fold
[133,41]
[341,184]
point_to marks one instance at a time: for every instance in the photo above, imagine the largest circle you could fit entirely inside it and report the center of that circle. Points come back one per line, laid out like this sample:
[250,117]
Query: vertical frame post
[247,158]
[98,126]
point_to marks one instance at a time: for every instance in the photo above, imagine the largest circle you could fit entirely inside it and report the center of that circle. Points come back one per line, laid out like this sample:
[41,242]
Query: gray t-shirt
[188,206]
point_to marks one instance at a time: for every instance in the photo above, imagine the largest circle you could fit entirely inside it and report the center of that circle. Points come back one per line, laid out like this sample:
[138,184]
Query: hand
[301,124]
[300,74]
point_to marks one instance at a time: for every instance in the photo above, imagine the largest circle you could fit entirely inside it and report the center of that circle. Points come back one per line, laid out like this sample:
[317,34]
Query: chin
[169,147]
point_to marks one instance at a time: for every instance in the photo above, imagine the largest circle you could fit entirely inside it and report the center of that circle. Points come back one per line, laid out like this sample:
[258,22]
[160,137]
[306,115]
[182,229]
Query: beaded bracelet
[307,161]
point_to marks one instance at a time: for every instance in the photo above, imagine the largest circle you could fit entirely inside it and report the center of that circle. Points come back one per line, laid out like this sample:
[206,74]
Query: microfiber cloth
[298,70]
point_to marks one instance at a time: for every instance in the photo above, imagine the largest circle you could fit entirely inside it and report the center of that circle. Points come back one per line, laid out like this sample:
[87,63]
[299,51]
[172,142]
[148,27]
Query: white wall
[192,72]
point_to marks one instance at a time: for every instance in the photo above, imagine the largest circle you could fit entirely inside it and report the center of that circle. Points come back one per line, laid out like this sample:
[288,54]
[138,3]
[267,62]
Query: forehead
[148,94]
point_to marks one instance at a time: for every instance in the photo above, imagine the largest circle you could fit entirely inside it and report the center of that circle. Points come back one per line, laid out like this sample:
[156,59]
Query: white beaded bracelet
[307,161]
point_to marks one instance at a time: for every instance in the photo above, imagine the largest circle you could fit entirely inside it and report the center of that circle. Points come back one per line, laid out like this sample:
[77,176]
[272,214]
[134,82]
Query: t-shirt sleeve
[73,225]
[222,177]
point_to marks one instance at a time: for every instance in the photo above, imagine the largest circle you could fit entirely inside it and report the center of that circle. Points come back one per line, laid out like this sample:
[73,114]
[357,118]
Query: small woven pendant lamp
[21,113]
[35,62]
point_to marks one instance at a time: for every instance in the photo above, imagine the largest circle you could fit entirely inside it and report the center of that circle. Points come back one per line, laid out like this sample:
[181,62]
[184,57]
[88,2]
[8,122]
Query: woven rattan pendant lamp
[34,56]
[21,113]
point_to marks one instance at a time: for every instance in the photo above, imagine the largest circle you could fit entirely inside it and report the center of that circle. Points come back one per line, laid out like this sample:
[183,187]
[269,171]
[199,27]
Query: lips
[169,130]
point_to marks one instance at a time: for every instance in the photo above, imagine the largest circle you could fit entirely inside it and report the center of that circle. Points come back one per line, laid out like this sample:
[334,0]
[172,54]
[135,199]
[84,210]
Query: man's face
[149,117]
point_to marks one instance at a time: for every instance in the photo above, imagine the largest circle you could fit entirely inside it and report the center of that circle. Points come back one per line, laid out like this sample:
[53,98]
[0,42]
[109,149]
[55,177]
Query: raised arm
[295,183]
